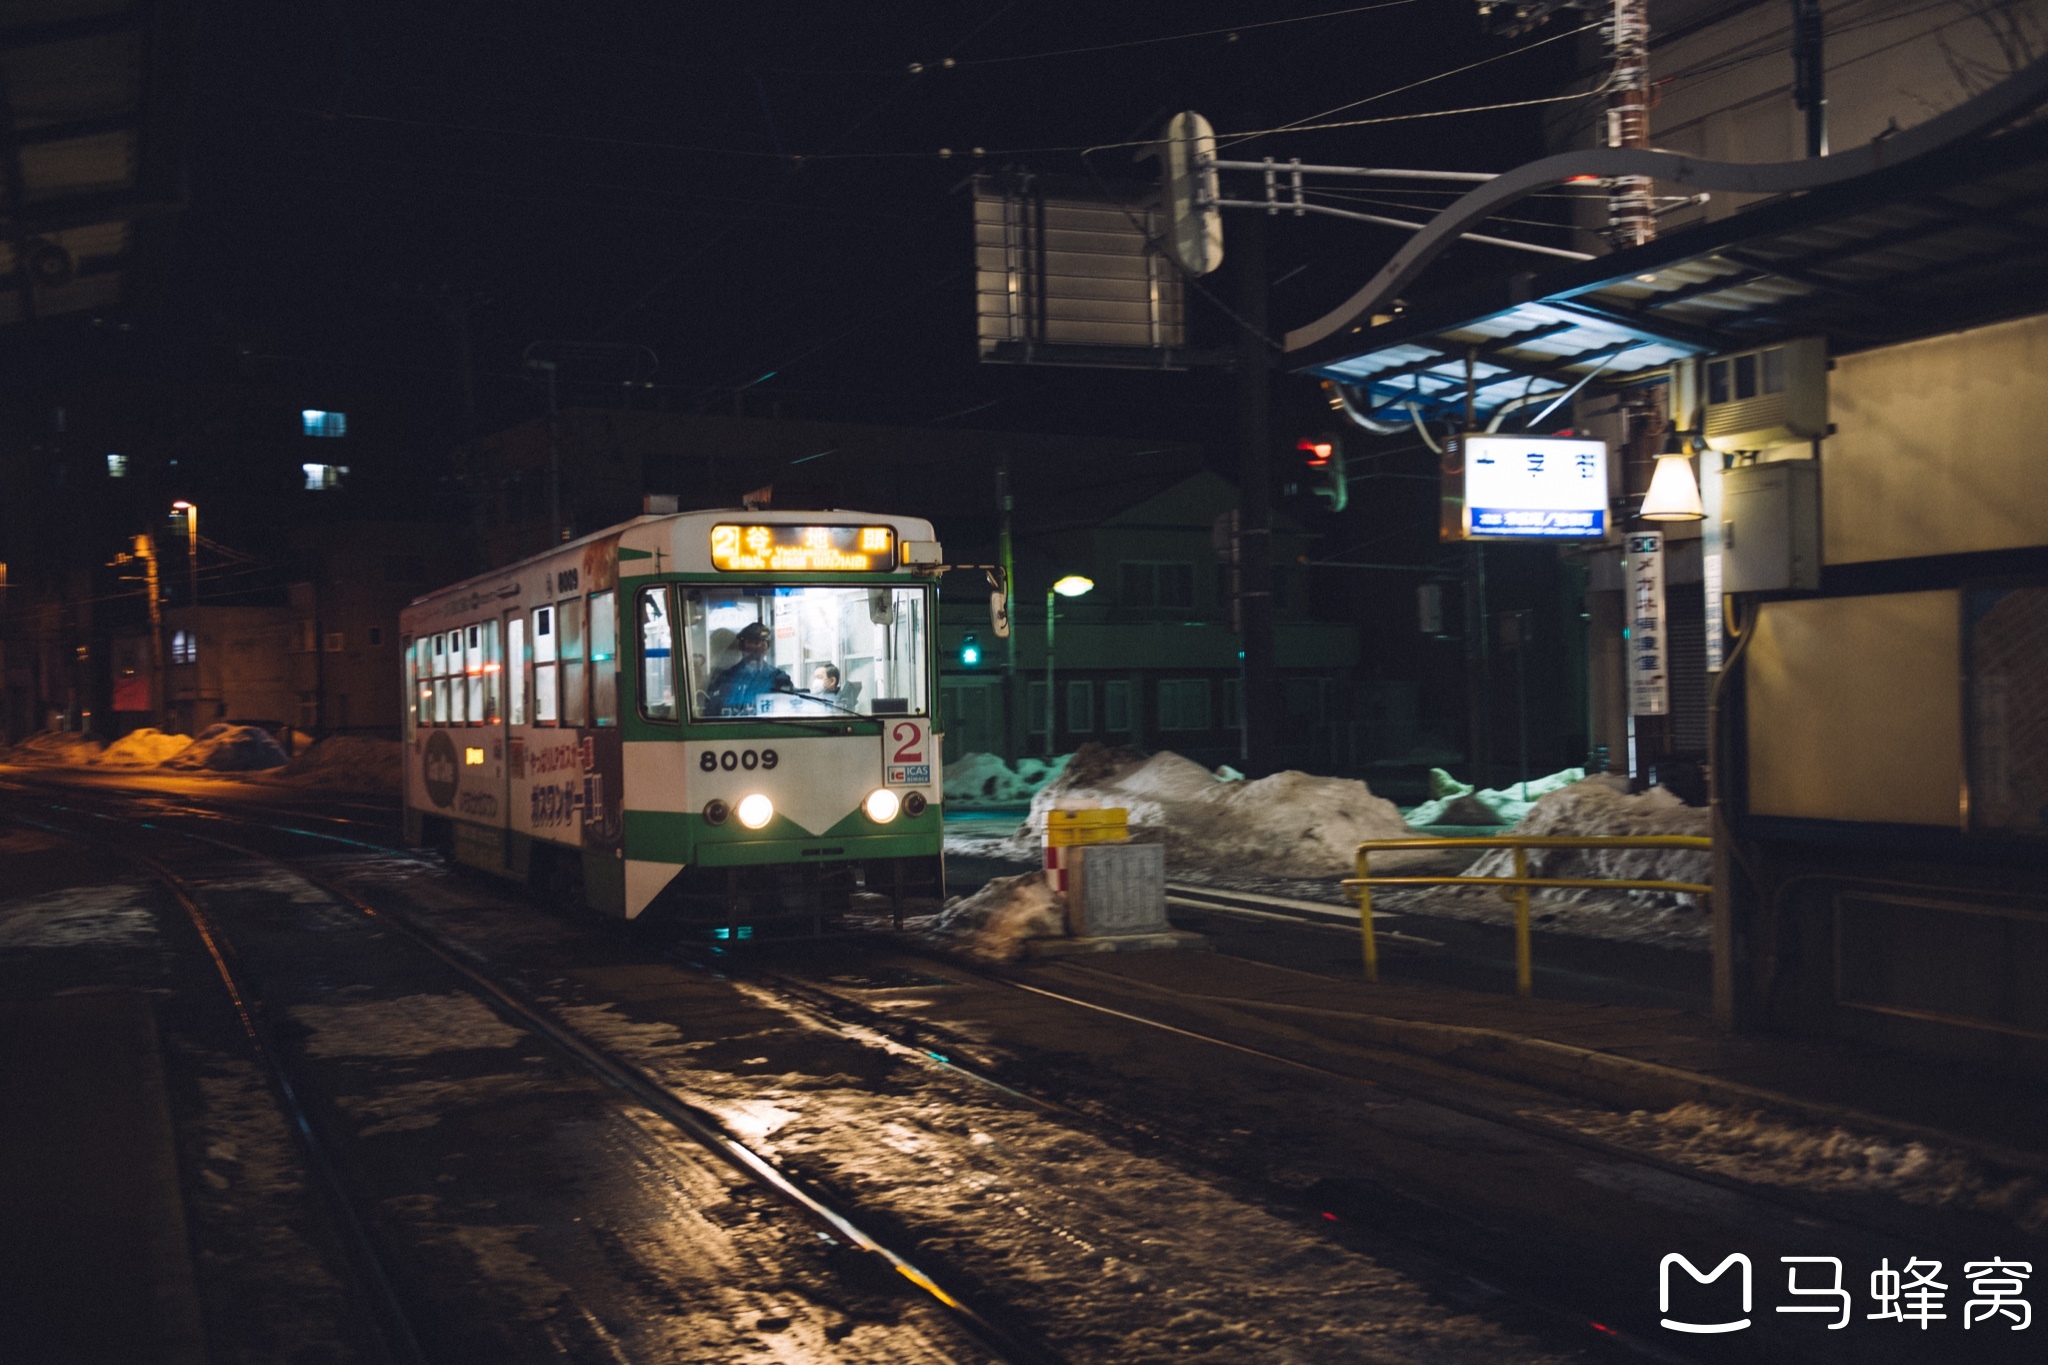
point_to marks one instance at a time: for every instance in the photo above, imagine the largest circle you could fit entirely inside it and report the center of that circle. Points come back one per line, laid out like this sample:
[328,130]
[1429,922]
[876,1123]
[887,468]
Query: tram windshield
[810,652]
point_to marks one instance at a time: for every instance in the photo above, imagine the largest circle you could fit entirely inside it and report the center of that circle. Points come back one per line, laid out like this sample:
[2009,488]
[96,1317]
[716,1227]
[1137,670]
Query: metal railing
[1359,888]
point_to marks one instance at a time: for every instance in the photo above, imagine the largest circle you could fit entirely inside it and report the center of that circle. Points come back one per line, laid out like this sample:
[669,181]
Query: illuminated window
[515,666]
[314,422]
[604,663]
[117,466]
[569,645]
[657,656]
[184,647]
[322,477]
[544,707]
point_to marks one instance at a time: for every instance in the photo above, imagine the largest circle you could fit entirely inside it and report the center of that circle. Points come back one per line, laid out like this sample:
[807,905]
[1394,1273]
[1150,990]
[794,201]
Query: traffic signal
[1324,456]
[970,651]
[1187,171]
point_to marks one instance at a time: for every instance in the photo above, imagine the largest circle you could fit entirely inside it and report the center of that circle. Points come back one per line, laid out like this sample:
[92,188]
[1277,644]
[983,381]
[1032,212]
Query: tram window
[515,666]
[764,651]
[423,679]
[473,669]
[458,688]
[545,711]
[657,656]
[494,674]
[569,624]
[604,658]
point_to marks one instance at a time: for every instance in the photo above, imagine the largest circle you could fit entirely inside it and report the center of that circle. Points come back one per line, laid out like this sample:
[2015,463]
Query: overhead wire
[1304,124]
[950,63]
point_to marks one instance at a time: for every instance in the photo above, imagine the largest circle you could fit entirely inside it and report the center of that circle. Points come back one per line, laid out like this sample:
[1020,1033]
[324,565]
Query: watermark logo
[1704,1328]
[1912,1295]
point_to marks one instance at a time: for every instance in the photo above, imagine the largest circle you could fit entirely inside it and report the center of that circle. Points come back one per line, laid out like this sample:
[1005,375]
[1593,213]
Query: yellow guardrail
[1359,888]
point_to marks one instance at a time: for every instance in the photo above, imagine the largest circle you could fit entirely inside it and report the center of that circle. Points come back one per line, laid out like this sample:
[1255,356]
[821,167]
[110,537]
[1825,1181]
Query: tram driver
[737,688]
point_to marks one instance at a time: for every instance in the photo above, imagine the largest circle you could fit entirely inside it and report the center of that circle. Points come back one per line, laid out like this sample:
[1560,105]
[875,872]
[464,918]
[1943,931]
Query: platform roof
[1950,240]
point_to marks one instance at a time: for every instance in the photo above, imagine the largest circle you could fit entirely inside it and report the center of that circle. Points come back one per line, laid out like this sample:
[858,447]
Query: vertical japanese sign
[1710,561]
[1649,692]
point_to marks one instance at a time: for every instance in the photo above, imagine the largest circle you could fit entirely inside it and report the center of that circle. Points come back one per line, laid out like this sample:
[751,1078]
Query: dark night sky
[623,172]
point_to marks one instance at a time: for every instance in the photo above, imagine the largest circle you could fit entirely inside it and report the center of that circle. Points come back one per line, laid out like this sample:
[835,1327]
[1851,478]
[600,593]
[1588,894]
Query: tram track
[992,1329]
[946,1052]
[1330,1202]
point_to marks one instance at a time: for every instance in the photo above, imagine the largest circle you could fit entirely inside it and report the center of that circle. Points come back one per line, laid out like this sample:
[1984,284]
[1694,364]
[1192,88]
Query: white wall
[1940,447]
[1855,709]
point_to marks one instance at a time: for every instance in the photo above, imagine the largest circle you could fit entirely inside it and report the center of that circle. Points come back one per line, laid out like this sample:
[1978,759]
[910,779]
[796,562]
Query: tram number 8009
[712,760]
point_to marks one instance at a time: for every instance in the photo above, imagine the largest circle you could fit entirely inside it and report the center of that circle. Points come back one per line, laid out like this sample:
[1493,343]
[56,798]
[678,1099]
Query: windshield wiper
[827,701]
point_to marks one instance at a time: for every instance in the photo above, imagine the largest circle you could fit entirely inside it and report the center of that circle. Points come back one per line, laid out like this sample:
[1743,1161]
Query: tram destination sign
[1524,487]
[793,547]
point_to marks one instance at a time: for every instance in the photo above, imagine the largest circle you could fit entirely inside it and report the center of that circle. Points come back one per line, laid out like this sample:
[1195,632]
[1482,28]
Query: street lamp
[191,511]
[1073,585]
[1674,494]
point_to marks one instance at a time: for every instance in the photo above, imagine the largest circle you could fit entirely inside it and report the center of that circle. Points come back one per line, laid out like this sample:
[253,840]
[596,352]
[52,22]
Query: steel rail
[698,1124]
[390,1323]
[1785,1198]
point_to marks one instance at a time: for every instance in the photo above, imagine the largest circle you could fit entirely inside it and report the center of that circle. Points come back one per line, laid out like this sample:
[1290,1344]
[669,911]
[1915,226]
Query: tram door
[971,713]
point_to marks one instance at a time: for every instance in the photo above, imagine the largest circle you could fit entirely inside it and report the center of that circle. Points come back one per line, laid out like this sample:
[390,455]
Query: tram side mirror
[882,606]
[999,614]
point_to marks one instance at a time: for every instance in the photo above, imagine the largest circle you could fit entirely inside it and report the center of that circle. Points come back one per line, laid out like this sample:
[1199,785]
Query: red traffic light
[1318,452]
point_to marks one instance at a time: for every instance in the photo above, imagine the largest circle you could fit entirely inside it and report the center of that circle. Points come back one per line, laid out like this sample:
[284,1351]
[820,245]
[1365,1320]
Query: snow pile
[1455,803]
[349,763]
[144,748]
[978,778]
[1286,825]
[57,746]
[230,749]
[992,924]
[1765,1151]
[1595,807]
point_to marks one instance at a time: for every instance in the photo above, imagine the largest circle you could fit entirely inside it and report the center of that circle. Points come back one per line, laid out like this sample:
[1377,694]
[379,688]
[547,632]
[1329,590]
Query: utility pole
[1478,666]
[1809,73]
[1255,458]
[1013,708]
[145,550]
[1631,208]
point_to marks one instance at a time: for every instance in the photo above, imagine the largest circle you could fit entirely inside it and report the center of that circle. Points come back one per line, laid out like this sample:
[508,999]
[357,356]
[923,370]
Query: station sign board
[795,547]
[1524,488]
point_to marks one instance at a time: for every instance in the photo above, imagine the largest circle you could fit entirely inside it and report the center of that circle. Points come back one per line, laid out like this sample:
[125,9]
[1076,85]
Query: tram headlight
[716,811]
[881,805]
[914,804]
[755,811]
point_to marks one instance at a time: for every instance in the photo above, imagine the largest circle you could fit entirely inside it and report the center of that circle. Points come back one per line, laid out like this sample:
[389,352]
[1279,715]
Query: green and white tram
[722,716]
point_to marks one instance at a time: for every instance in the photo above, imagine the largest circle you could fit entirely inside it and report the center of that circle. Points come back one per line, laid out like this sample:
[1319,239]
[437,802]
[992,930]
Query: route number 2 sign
[907,764]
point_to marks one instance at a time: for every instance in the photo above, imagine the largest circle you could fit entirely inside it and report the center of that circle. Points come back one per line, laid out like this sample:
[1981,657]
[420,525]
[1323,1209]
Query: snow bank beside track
[1288,825]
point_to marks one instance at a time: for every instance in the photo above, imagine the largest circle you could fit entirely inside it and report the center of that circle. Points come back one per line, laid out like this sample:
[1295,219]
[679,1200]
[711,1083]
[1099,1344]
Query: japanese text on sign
[792,548]
[1547,487]
[1649,691]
